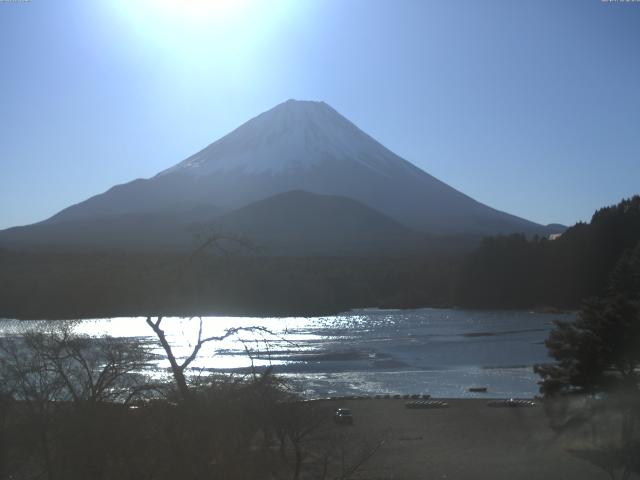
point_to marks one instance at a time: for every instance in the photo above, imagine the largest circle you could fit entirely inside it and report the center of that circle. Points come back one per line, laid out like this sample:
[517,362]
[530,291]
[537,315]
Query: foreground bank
[467,440]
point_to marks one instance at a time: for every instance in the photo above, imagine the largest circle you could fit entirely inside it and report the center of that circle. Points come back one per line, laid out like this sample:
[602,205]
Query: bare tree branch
[177,368]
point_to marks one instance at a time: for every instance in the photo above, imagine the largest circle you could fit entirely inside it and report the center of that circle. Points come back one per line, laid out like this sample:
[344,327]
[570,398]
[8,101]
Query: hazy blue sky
[532,106]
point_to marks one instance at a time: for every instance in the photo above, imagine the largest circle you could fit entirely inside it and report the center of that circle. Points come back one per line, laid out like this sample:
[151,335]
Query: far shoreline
[280,314]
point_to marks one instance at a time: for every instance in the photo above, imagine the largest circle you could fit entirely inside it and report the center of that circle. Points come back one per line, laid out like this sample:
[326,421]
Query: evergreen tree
[600,351]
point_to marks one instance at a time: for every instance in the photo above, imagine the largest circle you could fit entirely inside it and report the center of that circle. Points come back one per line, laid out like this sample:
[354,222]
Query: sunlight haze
[532,110]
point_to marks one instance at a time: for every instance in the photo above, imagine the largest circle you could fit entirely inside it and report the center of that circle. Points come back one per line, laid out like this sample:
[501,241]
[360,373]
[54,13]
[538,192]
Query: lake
[441,352]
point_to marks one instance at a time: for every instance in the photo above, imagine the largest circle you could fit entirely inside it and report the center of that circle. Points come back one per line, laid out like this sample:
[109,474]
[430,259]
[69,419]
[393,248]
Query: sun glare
[201,11]
[200,31]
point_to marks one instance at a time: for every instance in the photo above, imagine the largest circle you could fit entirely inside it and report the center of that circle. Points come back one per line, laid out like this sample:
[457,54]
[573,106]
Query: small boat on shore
[511,402]
[478,389]
[426,404]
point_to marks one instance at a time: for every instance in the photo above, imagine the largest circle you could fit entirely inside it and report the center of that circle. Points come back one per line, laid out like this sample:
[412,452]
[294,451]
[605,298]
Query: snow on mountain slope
[292,136]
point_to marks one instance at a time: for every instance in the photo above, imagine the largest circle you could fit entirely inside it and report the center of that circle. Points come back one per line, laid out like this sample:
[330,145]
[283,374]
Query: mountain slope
[124,231]
[300,145]
[298,222]
[291,223]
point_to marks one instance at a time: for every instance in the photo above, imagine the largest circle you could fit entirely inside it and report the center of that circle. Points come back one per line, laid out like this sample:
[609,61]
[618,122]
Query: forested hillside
[99,285]
[514,272]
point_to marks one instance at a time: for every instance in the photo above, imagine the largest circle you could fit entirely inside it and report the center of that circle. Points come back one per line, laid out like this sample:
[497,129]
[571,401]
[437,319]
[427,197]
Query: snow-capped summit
[296,134]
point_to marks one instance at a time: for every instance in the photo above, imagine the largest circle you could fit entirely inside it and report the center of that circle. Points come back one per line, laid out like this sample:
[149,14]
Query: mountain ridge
[290,223]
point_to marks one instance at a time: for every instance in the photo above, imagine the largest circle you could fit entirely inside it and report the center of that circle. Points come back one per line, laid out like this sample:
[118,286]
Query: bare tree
[70,392]
[92,369]
[178,367]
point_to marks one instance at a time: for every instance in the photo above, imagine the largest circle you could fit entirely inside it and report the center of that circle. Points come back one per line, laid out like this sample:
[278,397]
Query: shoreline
[284,314]
[404,398]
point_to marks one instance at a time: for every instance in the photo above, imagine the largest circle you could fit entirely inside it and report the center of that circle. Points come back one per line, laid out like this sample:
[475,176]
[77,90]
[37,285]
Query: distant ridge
[290,223]
[299,222]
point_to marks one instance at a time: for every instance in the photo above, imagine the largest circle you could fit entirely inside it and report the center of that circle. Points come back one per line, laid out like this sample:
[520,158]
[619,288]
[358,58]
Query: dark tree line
[41,285]
[516,272]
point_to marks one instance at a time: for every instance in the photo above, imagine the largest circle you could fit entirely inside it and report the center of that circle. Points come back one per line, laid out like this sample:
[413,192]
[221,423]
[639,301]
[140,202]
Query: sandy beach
[467,440]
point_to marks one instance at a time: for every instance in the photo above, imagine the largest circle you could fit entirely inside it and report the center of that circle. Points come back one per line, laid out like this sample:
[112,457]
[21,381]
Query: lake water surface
[442,352]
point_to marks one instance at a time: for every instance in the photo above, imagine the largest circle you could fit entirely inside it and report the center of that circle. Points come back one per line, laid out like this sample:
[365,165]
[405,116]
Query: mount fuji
[335,171]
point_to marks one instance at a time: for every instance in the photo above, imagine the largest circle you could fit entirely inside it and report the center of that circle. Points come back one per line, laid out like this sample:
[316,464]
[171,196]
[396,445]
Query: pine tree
[600,350]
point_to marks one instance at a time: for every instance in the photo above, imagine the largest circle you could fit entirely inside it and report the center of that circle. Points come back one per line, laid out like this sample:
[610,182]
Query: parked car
[343,416]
